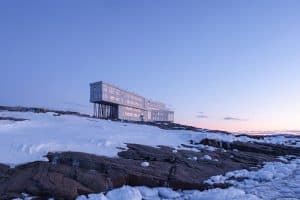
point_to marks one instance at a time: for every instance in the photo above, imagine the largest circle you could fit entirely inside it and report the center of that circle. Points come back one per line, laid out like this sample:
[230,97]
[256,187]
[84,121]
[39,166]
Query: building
[115,103]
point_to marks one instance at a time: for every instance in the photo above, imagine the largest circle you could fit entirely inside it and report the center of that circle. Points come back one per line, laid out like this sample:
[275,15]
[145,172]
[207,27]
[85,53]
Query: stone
[67,175]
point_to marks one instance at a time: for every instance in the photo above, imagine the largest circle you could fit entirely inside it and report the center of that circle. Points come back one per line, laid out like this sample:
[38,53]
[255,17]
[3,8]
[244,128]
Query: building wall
[95,92]
[115,95]
[130,113]
[171,116]
[162,115]
[153,105]
[130,105]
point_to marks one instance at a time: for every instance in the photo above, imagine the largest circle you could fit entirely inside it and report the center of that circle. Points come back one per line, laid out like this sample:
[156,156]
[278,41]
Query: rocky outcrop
[12,119]
[69,174]
[261,148]
[40,110]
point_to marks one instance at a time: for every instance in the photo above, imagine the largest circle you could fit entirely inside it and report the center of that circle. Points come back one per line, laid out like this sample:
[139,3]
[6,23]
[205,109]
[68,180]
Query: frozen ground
[30,140]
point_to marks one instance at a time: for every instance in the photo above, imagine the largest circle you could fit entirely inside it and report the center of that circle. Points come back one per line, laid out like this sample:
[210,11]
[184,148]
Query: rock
[69,174]
[12,119]
[3,168]
[254,147]
[41,179]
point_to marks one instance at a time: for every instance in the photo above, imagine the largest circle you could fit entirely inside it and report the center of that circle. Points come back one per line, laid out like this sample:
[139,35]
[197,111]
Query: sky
[231,65]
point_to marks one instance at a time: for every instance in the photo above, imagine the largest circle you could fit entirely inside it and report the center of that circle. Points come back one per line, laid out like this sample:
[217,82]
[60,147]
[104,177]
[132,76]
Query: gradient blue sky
[232,65]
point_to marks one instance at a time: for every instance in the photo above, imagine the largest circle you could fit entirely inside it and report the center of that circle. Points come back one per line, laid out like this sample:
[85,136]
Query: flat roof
[148,99]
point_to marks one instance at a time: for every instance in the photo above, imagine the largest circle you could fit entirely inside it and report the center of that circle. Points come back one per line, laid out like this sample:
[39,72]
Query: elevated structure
[115,103]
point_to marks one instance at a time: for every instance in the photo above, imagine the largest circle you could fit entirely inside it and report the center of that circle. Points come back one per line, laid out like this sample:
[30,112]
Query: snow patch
[206,157]
[124,193]
[167,193]
[92,197]
[145,164]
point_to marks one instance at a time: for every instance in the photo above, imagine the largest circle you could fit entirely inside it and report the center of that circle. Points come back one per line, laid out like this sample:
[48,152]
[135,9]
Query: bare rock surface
[40,110]
[261,148]
[12,119]
[69,174]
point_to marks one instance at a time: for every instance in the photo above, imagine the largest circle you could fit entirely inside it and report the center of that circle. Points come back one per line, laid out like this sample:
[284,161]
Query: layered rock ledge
[67,175]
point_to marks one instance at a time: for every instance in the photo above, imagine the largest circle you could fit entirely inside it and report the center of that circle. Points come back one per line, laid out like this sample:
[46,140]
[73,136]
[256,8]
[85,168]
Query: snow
[276,180]
[147,193]
[270,171]
[285,140]
[281,180]
[206,157]
[193,158]
[145,164]
[92,197]
[25,197]
[167,193]
[125,193]
[30,140]
[221,194]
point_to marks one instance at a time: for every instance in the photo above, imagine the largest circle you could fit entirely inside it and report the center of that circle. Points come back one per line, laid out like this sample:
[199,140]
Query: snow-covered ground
[30,140]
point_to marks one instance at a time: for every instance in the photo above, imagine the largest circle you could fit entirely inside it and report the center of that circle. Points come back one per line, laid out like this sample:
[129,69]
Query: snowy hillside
[31,139]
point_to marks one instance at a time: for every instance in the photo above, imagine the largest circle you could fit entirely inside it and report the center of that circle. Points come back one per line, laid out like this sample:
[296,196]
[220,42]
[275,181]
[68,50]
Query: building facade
[115,103]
